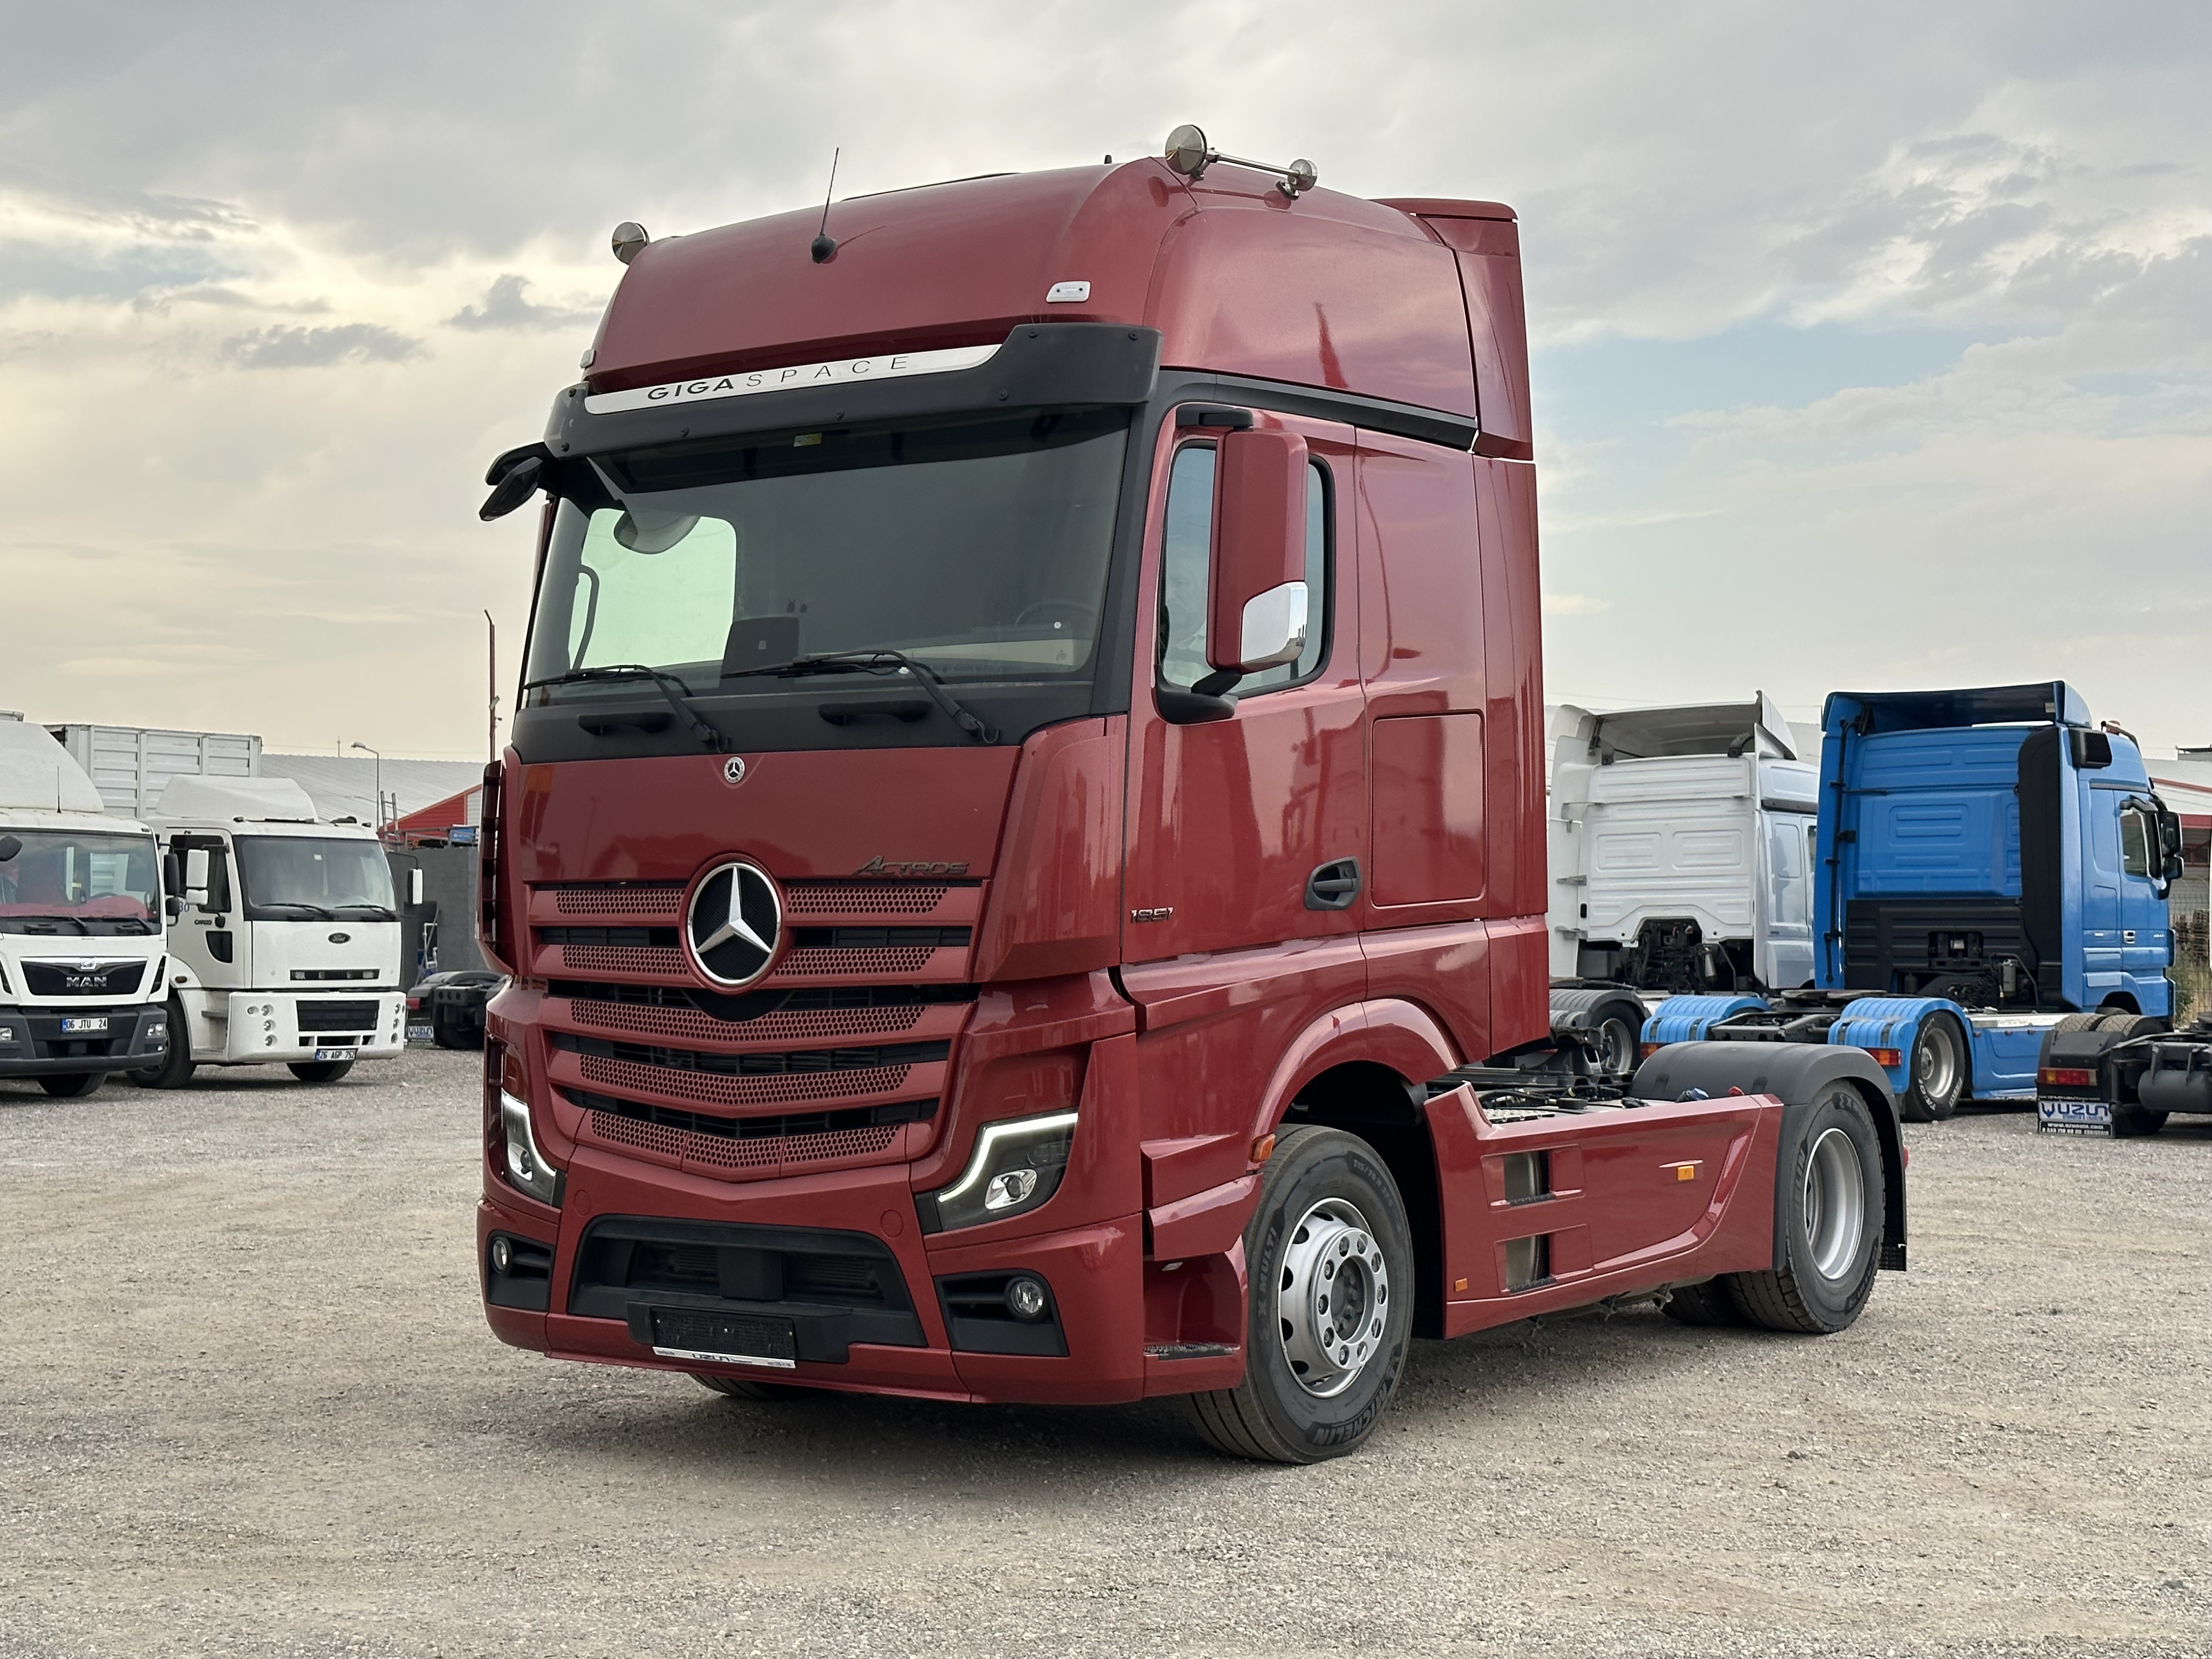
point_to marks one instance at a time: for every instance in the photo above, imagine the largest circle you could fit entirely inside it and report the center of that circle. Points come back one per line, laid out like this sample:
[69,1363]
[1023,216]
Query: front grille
[93,979]
[790,1063]
[620,898]
[840,898]
[878,938]
[655,938]
[811,1014]
[750,1146]
[327,974]
[337,1016]
[808,964]
[740,1091]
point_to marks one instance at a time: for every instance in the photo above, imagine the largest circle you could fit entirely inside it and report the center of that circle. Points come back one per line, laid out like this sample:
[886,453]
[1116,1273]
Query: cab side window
[1186,561]
[2136,840]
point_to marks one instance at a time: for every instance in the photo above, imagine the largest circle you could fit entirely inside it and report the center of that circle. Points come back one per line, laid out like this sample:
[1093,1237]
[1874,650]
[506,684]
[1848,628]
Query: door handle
[1333,886]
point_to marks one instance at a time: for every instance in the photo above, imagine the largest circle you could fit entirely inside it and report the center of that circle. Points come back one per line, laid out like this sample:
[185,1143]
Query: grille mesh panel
[768,1028]
[655,898]
[622,959]
[759,1153]
[740,1091]
[857,899]
[895,959]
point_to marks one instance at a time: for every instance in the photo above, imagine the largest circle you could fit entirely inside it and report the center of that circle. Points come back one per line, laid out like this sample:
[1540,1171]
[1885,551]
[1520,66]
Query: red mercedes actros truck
[1022,854]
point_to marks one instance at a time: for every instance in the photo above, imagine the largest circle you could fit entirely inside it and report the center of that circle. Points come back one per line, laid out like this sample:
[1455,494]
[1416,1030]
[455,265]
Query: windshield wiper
[884,661]
[365,912]
[315,912]
[670,688]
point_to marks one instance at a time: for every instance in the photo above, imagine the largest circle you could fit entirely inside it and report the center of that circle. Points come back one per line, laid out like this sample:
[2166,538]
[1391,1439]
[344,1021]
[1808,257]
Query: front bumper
[284,1026]
[1095,1273]
[33,1044]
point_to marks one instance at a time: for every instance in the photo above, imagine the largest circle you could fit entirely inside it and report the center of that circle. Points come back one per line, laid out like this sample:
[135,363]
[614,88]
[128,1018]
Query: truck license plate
[724,1338]
[86,1023]
[420,1034]
[334,1053]
[2074,1117]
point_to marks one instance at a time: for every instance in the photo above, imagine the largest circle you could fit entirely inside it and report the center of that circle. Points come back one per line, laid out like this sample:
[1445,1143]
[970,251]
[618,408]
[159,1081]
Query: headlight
[1016,1165]
[526,1165]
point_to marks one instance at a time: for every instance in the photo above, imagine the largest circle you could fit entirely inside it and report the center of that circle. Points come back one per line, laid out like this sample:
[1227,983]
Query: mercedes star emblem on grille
[735,920]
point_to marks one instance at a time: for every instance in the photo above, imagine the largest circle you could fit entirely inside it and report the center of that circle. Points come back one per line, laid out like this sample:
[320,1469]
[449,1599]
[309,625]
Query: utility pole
[491,685]
[365,749]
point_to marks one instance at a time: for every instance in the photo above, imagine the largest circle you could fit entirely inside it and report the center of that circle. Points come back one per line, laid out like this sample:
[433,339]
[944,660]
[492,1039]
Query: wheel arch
[1795,1074]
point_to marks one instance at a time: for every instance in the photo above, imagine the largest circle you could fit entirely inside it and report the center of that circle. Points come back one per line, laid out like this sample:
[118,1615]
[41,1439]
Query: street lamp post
[366,749]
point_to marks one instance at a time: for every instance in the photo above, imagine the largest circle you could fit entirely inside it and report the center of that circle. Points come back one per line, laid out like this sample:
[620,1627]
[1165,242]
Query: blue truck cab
[1987,863]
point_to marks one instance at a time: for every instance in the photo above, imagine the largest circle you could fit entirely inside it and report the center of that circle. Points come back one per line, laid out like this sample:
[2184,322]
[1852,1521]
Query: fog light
[1026,1297]
[502,1255]
[1009,1190]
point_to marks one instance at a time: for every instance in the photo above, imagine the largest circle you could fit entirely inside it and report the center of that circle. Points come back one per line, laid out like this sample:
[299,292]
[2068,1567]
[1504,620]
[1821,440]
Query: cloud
[504,307]
[283,347]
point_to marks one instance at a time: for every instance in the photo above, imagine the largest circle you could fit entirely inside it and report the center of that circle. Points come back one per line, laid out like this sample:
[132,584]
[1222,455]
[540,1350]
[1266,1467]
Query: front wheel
[71,1085]
[1830,1201]
[1937,1077]
[176,1066]
[319,1070]
[1330,1308]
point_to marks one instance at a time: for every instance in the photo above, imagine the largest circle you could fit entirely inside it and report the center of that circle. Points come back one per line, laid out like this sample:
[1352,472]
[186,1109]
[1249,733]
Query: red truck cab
[1022,855]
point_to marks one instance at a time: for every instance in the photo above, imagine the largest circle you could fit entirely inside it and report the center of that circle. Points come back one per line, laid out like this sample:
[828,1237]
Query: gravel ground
[251,1406]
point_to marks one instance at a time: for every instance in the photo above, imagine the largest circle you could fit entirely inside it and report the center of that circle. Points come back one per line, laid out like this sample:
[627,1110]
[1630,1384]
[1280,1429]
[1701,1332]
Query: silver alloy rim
[1835,1203]
[1935,1063]
[1617,1047]
[1332,1302]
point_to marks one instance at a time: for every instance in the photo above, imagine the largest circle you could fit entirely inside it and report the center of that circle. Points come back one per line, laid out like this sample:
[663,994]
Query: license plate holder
[77,1024]
[2072,1117]
[724,1339]
[420,1034]
[334,1053]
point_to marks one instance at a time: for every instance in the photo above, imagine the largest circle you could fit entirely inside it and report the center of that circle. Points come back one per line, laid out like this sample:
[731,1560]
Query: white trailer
[289,953]
[130,765]
[81,924]
[1680,842]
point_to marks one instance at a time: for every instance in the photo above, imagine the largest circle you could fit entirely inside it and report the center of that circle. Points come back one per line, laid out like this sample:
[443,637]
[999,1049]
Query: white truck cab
[81,914]
[1679,844]
[288,950]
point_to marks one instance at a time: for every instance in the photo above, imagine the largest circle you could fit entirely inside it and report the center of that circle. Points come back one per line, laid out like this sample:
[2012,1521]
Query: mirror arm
[1219,683]
[1180,707]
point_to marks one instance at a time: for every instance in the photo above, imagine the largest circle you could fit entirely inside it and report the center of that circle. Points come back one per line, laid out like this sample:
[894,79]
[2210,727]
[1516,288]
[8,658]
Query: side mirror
[9,846]
[172,907]
[514,478]
[195,875]
[415,887]
[2091,751]
[1256,607]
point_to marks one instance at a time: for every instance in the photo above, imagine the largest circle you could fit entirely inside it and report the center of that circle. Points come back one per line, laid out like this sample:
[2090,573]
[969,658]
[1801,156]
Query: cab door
[210,939]
[2146,945]
[1235,936]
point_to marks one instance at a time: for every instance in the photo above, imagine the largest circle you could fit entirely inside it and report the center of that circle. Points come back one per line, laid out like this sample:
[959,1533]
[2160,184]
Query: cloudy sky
[1874,344]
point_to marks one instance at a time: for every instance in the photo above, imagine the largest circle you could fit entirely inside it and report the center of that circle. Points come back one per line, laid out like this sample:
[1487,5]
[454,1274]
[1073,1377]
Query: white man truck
[81,935]
[1679,839]
[287,949]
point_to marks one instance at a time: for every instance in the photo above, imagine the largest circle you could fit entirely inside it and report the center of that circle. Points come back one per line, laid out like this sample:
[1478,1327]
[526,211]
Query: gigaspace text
[892,365]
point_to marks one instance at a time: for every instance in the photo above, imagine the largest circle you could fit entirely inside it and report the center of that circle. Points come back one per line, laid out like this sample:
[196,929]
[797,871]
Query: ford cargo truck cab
[287,951]
[81,924]
[1989,863]
[1022,854]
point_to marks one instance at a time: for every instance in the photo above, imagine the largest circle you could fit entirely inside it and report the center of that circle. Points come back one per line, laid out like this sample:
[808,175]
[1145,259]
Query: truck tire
[1608,1018]
[1617,1034]
[2132,1122]
[1935,1071]
[740,1388]
[177,1065]
[1709,1303]
[71,1085]
[1829,1202]
[1330,1316]
[319,1070]
[446,1037]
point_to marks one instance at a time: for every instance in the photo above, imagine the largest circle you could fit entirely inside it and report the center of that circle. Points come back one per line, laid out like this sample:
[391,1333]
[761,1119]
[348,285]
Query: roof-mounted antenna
[825,244]
[1188,154]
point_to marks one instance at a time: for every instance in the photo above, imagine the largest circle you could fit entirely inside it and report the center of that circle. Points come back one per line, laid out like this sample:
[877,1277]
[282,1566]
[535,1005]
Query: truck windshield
[72,883]
[313,879]
[980,548]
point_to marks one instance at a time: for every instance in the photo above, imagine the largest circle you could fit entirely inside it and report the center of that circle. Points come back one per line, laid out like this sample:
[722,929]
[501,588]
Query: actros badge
[733,770]
[735,920]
